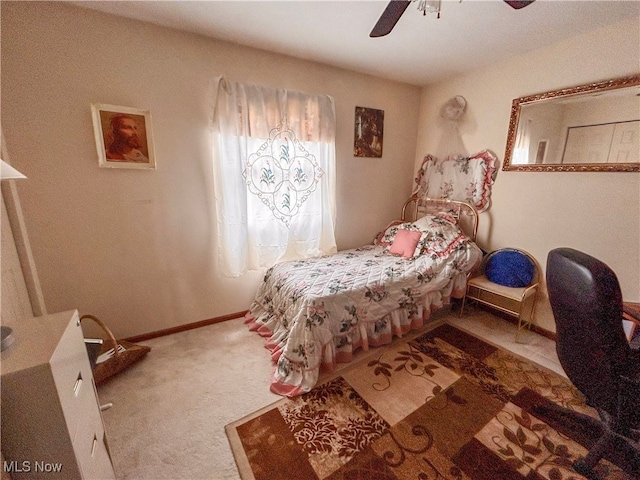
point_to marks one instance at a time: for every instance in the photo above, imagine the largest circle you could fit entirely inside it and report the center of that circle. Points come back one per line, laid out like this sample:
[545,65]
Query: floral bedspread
[317,311]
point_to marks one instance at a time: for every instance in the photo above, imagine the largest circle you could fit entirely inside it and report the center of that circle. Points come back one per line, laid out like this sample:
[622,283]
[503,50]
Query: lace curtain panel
[274,175]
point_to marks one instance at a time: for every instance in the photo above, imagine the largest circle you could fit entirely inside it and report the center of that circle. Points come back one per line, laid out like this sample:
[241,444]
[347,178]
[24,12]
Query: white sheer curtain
[274,175]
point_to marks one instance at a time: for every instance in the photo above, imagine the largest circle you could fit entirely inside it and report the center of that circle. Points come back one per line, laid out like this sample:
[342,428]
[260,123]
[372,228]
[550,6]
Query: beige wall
[136,248]
[598,213]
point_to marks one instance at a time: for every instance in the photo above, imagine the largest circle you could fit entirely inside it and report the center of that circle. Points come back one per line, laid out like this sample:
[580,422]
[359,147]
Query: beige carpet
[170,409]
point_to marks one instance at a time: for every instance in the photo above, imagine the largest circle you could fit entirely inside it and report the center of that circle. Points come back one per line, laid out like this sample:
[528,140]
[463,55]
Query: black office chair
[586,301]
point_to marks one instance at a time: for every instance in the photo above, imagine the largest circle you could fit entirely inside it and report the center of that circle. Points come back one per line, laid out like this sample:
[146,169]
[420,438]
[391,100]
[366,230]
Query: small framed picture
[123,137]
[541,153]
[368,132]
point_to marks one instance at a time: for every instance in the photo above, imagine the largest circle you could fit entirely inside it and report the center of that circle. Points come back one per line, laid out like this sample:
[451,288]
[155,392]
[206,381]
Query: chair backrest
[511,267]
[586,301]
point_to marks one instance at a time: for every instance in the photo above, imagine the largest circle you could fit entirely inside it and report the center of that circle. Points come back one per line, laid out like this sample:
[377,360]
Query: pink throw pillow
[405,243]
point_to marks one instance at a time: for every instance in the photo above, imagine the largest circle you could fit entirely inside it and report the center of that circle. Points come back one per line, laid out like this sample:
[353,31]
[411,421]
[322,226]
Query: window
[523,141]
[274,175]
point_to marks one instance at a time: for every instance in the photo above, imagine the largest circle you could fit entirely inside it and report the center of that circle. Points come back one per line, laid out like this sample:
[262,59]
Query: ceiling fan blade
[518,4]
[389,18]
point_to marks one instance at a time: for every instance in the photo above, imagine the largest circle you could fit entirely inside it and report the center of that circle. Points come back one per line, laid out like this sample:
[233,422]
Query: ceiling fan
[396,8]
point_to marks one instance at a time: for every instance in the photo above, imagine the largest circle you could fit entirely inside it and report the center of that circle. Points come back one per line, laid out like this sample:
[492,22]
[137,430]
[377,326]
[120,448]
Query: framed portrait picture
[123,137]
[368,133]
[541,153]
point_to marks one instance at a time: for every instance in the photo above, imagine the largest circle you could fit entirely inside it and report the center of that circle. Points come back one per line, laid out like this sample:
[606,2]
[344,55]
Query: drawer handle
[76,387]
[94,445]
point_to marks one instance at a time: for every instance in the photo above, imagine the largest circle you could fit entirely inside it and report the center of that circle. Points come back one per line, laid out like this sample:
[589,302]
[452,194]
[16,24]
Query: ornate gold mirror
[589,128]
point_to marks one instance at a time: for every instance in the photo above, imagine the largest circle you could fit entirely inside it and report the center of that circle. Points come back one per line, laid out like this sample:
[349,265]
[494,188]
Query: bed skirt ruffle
[291,378]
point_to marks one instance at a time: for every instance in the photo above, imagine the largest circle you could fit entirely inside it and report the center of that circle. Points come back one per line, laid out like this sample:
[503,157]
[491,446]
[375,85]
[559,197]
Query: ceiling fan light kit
[429,6]
[395,9]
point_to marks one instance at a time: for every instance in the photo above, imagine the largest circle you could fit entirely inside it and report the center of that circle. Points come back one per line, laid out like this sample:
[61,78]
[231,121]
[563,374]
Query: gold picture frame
[604,97]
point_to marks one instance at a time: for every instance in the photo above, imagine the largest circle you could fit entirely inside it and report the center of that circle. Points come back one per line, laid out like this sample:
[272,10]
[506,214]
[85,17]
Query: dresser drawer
[90,448]
[49,407]
[72,375]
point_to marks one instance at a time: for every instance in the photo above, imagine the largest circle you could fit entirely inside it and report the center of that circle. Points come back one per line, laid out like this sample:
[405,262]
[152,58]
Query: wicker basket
[125,354]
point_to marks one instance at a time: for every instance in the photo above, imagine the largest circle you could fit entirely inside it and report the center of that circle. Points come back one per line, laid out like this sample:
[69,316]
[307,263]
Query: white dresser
[51,421]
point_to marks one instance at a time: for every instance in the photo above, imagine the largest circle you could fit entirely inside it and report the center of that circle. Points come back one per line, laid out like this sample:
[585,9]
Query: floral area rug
[445,405]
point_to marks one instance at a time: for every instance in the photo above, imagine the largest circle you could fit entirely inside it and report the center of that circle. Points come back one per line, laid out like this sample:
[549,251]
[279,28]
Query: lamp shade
[7,172]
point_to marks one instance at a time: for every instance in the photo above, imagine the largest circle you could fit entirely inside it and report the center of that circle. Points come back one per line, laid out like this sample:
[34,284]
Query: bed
[315,313]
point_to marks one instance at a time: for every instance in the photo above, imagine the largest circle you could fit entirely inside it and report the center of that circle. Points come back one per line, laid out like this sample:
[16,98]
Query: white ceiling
[420,50]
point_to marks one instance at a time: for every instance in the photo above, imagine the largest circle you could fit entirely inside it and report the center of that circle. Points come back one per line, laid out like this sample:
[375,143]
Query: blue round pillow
[510,268]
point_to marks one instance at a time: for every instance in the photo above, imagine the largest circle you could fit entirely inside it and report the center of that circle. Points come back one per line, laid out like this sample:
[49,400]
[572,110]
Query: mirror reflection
[587,128]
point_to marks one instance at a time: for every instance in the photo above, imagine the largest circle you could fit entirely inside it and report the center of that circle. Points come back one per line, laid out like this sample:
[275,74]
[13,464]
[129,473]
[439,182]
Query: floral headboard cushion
[463,178]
